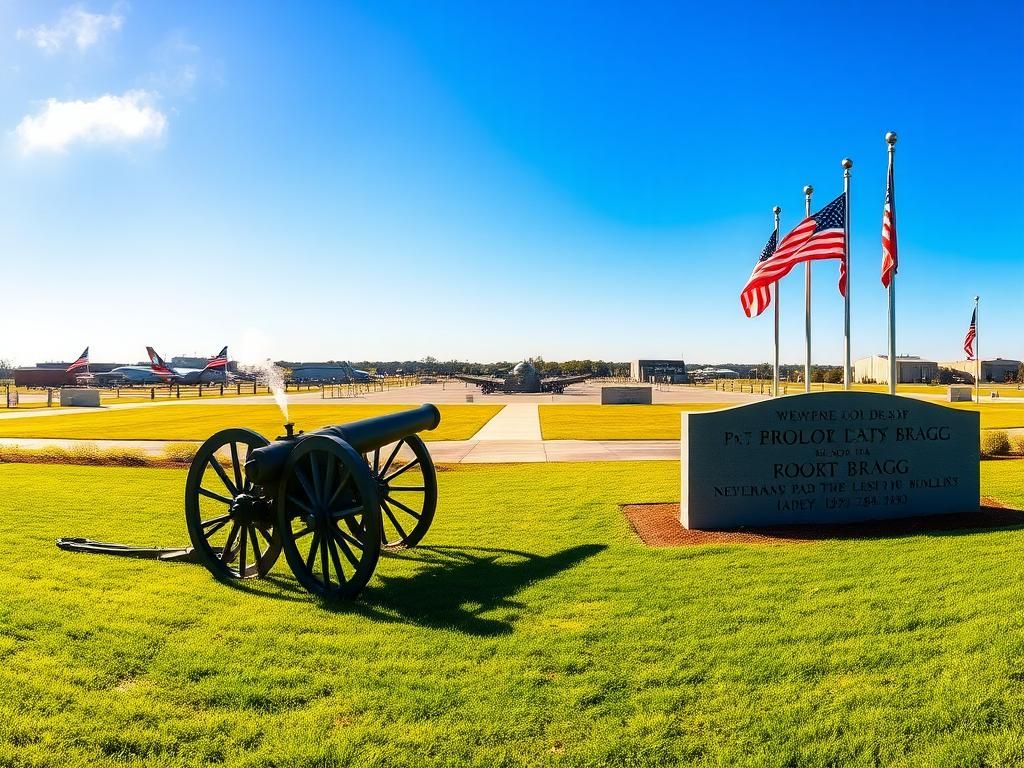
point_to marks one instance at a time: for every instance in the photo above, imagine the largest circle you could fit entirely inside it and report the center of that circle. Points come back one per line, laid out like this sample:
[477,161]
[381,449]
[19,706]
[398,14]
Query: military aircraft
[215,372]
[158,372]
[524,378]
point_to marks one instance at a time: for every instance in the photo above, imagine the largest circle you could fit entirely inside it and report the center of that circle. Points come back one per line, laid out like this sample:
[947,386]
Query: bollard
[152,393]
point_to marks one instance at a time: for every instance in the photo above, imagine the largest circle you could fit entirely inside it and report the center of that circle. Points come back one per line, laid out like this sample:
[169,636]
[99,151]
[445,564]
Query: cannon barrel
[264,465]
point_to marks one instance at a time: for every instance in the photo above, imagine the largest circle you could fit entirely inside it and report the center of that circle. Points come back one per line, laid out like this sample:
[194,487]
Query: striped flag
[972,332]
[220,360]
[756,300]
[819,236]
[81,362]
[890,261]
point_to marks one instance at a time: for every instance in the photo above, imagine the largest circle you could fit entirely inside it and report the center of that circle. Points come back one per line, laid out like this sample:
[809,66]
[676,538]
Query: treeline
[430,366]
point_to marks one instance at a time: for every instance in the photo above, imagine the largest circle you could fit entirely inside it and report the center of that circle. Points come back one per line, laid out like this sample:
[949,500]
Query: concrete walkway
[517,422]
[444,451]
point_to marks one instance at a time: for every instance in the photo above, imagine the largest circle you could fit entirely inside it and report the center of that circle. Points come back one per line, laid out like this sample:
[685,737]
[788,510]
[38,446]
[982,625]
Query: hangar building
[667,371]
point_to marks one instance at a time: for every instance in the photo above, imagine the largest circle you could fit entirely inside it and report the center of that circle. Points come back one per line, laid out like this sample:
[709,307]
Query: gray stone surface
[825,458]
[80,397]
[961,394]
[626,396]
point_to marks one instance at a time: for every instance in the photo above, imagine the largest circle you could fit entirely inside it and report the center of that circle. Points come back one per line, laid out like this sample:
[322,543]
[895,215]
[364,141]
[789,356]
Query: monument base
[657,525]
[80,396]
[626,396]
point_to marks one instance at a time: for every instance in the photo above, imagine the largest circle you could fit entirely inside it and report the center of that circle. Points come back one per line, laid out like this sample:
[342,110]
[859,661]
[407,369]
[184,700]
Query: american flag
[890,262]
[756,300]
[81,362]
[820,236]
[220,360]
[972,333]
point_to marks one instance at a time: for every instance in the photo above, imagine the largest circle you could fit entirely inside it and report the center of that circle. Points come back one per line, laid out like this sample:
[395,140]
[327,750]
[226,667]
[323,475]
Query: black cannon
[331,499]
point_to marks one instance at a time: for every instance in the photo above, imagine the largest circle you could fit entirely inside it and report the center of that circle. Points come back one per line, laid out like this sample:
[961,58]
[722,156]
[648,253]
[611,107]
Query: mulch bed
[658,525]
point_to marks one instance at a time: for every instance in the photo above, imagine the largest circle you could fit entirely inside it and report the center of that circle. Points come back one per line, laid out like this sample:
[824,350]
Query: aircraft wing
[558,383]
[481,381]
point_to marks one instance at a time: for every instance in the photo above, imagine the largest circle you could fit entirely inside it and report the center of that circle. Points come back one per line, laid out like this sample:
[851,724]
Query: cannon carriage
[331,500]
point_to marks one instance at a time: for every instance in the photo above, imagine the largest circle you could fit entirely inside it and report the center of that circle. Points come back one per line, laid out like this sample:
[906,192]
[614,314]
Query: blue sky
[493,181]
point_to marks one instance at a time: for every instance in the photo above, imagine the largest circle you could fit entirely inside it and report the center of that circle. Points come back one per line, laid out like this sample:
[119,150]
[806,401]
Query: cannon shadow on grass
[454,586]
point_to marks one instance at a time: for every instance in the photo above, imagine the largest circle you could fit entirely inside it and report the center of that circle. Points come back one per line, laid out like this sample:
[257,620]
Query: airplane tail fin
[157,364]
[218,361]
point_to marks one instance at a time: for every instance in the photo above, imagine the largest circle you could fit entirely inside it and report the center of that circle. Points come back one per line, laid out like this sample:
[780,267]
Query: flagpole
[847,165]
[775,378]
[977,353]
[890,139]
[808,191]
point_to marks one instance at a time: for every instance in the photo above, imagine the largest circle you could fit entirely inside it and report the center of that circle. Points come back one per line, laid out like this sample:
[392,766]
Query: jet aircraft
[158,372]
[215,372]
[524,378]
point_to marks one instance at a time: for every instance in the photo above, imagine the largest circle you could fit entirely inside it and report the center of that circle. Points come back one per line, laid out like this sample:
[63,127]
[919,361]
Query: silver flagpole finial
[847,163]
[776,210]
[890,138]
[808,190]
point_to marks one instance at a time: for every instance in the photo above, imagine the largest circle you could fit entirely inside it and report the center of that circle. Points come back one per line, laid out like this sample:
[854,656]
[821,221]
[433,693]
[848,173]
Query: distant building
[327,373]
[997,370]
[910,369]
[53,374]
[667,371]
[709,374]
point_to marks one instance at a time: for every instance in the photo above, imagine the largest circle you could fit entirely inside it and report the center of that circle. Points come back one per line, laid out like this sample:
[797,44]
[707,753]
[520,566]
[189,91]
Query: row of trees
[431,366]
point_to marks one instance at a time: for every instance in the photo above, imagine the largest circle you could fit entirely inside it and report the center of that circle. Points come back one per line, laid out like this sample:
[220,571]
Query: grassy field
[661,422]
[531,628]
[198,422]
[616,422]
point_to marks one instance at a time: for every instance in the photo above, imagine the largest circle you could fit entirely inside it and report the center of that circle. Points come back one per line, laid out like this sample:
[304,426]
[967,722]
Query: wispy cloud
[177,65]
[75,26]
[109,119]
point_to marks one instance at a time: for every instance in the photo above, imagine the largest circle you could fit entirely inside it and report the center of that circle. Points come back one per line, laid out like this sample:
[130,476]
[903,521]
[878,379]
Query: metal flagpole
[977,353]
[775,378]
[847,165]
[890,139]
[808,191]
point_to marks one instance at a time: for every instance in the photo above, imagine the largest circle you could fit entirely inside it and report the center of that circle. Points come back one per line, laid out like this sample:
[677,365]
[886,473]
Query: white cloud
[108,119]
[75,25]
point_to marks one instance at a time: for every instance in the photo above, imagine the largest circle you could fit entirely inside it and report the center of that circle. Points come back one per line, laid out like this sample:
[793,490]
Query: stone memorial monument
[829,457]
[80,396]
[626,396]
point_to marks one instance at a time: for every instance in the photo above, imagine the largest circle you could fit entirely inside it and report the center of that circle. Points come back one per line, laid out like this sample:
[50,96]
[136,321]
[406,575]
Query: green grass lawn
[530,628]
[616,422]
[661,422]
[198,422]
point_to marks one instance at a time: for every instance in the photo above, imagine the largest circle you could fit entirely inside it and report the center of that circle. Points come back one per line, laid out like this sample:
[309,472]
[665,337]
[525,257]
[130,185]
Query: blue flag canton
[769,247]
[832,216]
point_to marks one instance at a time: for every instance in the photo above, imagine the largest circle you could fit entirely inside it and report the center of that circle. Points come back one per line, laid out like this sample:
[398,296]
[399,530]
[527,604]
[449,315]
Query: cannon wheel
[230,521]
[325,484]
[407,492]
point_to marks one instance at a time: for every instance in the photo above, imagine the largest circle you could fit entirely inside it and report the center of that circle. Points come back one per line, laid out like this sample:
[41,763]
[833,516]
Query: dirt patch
[658,525]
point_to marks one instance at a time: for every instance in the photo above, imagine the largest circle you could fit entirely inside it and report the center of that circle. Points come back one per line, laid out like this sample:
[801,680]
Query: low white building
[910,369]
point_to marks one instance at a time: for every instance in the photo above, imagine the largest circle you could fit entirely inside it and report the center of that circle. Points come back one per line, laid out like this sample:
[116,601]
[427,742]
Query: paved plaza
[513,436]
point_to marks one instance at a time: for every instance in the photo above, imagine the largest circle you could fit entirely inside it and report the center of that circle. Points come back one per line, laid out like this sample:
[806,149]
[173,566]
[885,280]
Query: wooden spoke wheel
[230,520]
[407,490]
[329,517]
